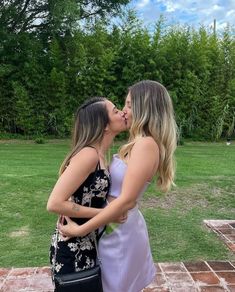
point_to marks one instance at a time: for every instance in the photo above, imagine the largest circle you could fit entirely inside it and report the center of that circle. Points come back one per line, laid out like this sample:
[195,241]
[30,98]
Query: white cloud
[230,13]
[192,12]
[142,3]
[171,6]
[221,25]
[217,7]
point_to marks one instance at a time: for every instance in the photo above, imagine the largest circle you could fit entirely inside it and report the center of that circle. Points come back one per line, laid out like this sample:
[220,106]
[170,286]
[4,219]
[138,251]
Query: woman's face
[127,111]
[117,120]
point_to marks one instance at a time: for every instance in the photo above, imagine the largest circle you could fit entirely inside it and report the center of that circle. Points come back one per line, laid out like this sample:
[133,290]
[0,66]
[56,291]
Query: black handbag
[82,281]
[88,280]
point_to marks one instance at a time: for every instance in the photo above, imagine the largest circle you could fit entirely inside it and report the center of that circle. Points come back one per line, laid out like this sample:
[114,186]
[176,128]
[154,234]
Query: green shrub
[40,140]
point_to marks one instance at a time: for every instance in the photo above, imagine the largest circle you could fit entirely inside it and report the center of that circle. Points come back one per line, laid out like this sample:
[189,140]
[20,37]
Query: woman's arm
[81,165]
[142,165]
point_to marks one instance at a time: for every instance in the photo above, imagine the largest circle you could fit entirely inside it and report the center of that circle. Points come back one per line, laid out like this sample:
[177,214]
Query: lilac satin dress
[127,264]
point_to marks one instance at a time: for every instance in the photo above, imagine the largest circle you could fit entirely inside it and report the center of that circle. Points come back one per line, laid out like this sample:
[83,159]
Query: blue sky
[192,12]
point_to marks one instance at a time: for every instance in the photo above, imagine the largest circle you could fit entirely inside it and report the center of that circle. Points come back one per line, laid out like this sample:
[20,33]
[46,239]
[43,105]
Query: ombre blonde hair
[153,115]
[91,120]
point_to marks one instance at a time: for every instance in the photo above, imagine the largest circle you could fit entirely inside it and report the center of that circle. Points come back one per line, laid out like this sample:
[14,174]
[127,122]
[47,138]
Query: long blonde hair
[91,120]
[153,115]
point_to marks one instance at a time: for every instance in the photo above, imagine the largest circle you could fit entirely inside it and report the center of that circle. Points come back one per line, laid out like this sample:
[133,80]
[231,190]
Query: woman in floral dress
[84,182]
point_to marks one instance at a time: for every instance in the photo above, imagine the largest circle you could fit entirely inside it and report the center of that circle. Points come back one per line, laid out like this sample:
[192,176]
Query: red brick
[157,289]
[4,272]
[44,271]
[231,288]
[220,266]
[227,230]
[174,278]
[231,237]
[212,289]
[158,269]
[206,278]
[173,267]
[158,281]
[196,267]
[40,282]
[22,272]
[184,289]
[231,246]
[16,284]
[228,276]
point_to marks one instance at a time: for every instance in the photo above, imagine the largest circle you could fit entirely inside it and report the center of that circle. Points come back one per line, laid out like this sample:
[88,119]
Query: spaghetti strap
[98,166]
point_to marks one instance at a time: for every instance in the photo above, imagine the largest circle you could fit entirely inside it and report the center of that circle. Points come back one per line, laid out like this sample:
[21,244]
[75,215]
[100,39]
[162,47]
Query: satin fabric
[126,260]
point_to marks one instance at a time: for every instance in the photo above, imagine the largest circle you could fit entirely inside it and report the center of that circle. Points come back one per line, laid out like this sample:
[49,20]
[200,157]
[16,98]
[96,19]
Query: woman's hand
[71,229]
[122,219]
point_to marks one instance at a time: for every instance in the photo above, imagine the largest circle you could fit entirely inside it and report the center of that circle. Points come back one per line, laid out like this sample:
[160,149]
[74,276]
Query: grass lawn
[205,190]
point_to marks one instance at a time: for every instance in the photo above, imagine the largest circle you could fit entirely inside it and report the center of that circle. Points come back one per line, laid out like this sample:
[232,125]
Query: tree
[40,55]
[26,15]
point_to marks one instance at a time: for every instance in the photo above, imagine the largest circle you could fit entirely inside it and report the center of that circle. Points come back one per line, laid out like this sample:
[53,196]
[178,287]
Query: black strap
[101,233]
[98,168]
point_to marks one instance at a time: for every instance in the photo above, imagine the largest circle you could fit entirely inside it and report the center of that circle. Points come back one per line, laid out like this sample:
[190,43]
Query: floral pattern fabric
[79,253]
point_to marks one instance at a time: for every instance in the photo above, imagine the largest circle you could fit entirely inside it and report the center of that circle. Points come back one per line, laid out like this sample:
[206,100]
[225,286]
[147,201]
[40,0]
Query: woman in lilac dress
[127,264]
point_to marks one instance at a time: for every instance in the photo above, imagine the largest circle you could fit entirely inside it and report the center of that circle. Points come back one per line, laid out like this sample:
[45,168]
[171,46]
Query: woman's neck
[105,144]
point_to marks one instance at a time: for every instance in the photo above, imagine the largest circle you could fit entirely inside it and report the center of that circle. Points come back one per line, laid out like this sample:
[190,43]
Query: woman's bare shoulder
[86,155]
[146,144]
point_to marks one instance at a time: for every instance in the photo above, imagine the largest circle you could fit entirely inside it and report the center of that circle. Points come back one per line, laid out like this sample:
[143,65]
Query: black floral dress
[79,253]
